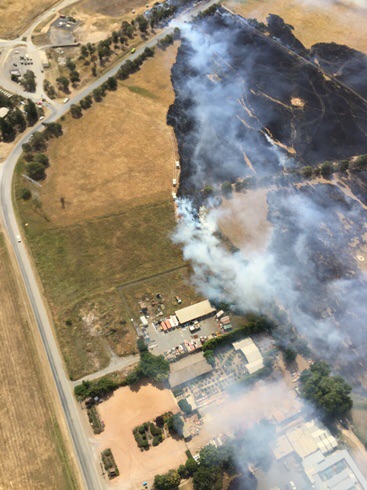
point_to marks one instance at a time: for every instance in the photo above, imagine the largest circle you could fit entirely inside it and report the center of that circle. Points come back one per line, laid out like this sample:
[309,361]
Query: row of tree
[15,121]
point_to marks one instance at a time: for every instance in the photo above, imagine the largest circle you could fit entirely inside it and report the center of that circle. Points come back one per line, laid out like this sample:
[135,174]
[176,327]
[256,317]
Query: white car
[174,182]
[19,239]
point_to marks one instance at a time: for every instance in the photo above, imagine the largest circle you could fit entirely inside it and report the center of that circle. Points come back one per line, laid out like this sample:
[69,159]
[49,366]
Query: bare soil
[30,433]
[121,414]
[15,15]
[313,22]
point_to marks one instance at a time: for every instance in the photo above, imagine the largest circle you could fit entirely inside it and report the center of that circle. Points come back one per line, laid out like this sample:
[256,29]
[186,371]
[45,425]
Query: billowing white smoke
[220,274]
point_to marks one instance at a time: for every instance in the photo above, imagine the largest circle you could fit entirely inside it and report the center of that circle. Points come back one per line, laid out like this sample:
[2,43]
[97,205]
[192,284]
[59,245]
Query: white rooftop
[251,352]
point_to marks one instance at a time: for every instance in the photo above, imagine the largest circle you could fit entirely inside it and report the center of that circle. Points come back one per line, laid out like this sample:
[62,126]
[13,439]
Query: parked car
[19,239]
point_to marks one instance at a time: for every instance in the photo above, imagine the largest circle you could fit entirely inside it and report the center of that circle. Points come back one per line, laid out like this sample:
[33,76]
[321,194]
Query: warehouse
[195,312]
[252,354]
[188,368]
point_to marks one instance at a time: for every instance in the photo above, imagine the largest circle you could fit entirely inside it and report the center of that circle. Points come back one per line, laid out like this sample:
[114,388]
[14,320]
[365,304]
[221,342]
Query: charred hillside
[245,103]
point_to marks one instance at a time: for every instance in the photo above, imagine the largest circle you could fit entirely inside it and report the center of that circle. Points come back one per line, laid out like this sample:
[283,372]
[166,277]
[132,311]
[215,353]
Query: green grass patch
[141,91]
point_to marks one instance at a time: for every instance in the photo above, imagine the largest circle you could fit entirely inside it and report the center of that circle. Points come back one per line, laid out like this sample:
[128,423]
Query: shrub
[25,193]
[155,431]
[159,421]
[156,441]
[142,429]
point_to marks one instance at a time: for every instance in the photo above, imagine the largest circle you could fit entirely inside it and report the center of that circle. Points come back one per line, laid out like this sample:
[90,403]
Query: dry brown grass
[121,153]
[114,168]
[32,448]
[15,15]
[325,22]
[121,414]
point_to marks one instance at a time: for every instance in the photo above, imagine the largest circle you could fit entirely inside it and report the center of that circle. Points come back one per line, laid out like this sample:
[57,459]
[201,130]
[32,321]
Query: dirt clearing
[313,22]
[121,414]
[15,15]
[30,435]
[243,220]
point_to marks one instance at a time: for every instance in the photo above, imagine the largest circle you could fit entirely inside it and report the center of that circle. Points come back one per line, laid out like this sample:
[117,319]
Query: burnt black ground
[233,86]
[255,69]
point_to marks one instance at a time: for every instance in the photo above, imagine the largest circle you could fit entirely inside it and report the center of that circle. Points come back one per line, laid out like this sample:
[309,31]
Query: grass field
[114,168]
[313,22]
[33,454]
[16,14]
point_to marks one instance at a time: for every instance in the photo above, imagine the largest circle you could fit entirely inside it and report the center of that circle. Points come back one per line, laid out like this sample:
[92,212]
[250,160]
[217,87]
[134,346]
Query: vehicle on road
[66,100]
[174,182]
[133,51]
[19,239]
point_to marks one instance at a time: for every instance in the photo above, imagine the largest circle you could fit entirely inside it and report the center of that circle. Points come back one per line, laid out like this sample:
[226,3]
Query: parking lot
[19,61]
[160,342]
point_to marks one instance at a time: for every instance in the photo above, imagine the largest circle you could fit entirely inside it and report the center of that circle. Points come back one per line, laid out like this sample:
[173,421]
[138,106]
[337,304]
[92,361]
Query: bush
[159,421]
[307,171]
[25,193]
[155,431]
[226,188]
[142,429]
[343,166]
[326,169]
[156,441]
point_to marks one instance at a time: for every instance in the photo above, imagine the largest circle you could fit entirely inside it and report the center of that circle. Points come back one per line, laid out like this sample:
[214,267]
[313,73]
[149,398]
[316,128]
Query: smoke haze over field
[308,266]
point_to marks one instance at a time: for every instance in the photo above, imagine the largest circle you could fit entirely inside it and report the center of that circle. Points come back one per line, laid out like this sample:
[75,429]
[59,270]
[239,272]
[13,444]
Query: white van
[66,100]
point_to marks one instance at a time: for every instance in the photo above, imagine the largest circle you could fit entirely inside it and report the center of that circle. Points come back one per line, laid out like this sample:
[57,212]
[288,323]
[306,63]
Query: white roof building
[193,312]
[3,111]
[251,352]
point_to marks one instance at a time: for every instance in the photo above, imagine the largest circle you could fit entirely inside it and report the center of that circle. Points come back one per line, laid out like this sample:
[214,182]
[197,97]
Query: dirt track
[29,432]
[121,413]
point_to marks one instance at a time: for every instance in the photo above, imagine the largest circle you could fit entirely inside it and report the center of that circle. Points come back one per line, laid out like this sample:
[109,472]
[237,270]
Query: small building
[3,112]
[195,312]
[250,350]
[186,434]
[188,368]
[191,400]
[143,321]
[44,60]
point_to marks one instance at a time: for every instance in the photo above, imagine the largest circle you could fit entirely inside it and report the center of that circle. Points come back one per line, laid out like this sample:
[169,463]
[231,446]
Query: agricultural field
[30,432]
[340,22]
[121,413]
[113,167]
[16,15]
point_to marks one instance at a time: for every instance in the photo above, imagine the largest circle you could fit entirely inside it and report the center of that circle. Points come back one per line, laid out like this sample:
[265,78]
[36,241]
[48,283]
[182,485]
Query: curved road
[88,462]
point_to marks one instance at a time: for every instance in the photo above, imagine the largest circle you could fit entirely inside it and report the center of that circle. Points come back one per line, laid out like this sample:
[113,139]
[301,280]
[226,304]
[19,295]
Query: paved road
[87,460]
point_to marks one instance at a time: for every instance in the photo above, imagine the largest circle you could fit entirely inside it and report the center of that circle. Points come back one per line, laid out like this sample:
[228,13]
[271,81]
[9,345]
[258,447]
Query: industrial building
[188,368]
[319,463]
[251,352]
[195,312]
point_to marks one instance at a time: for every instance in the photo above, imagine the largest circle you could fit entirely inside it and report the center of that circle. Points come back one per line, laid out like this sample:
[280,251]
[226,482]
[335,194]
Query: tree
[38,142]
[53,129]
[185,406]
[153,367]
[175,424]
[149,52]
[307,171]
[70,64]
[98,94]
[19,120]
[36,171]
[210,456]
[210,357]
[191,466]
[76,111]
[290,355]
[31,112]
[208,190]
[330,394]
[142,346]
[74,76]
[42,158]
[169,481]
[64,83]
[29,81]
[25,194]
[344,165]
[7,130]
[326,169]
[143,23]
[111,83]
[226,188]
[86,102]
[207,478]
